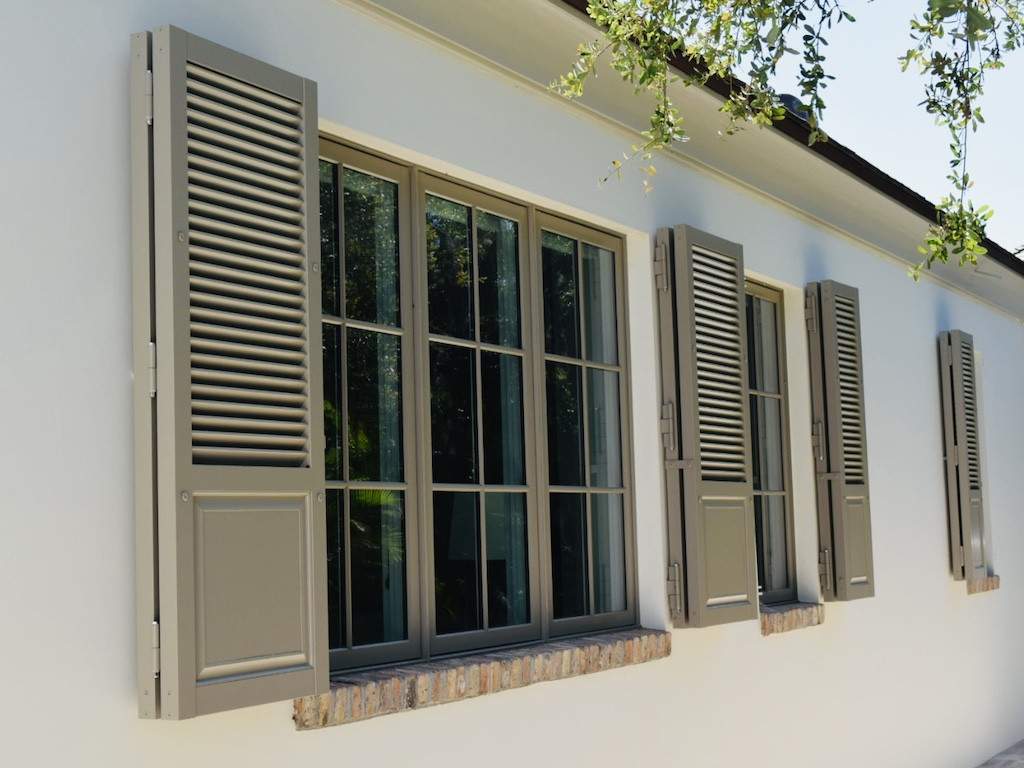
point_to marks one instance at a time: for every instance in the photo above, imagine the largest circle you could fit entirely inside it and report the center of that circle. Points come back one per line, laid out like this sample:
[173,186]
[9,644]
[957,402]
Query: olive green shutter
[706,428]
[840,443]
[962,456]
[240,519]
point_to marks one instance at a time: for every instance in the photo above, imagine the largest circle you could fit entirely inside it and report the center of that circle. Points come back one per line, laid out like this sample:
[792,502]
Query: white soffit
[537,39]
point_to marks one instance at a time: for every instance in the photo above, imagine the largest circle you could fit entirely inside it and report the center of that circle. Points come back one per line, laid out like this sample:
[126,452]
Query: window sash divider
[578,361]
[435,338]
[366,485]
[362,325]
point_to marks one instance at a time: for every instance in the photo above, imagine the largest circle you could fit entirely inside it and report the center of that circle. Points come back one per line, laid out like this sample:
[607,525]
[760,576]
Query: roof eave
[841,156]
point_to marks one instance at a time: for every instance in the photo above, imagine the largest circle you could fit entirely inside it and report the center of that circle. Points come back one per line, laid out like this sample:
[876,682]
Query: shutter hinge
[818,440]
[963,560]
[156,648]
[810,313]
[668,427]
[661,267]
[675,590]
[149,97]
[825,569]
[152,369]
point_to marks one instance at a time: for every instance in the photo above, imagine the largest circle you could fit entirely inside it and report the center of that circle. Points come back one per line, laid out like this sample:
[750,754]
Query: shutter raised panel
[240,478]
[962,456]
[840,442]
[712,470]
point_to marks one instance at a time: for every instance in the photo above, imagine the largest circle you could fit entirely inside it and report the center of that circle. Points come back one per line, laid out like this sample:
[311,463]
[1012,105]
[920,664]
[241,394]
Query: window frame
[775,296]
[423,643]
[476,200]
[344,156]
[545,221]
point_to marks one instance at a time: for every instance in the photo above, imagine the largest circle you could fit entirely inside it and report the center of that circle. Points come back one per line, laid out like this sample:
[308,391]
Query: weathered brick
[423,689]
[785,618]
[988,584]
[361,695]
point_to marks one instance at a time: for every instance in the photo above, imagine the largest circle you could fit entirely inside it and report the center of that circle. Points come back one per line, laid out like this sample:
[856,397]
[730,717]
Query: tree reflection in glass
[565,424]
[498,281]
[377,528]
[449,269]
[374,406]
[371,249]
[457,603]
[561,295]
[508,578]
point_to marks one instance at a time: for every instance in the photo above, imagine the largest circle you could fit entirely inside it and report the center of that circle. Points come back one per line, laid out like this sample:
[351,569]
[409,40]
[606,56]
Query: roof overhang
[536,40]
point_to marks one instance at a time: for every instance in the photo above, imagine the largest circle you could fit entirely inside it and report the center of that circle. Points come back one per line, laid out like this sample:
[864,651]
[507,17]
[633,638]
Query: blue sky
[872,108]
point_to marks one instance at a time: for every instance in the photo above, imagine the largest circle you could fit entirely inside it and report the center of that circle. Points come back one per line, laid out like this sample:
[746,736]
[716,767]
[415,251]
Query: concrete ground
[1010,758]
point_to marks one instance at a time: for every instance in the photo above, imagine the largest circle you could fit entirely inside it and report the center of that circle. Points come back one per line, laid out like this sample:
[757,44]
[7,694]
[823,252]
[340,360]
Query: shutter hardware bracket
[152,369]
[661,267]
[675,589]
[156,649]
[825,569]
[810,312]
[668,427]
[149,97]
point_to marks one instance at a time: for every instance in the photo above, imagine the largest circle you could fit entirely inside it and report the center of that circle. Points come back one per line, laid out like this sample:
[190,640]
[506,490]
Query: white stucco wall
[921,675]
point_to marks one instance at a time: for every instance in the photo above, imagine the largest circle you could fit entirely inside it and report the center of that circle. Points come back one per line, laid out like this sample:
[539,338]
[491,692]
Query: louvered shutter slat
[837,395]
[240,472]
[704,381]
[214,187]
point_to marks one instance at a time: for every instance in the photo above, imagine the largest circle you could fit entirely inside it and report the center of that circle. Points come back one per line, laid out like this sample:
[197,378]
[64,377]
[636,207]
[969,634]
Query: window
[478,482]
[585,387]
[769,446]
[368,409]
[480,408]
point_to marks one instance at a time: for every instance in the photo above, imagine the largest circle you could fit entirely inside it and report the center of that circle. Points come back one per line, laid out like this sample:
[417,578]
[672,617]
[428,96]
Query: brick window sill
[988,584]
[788,617]
[362,695]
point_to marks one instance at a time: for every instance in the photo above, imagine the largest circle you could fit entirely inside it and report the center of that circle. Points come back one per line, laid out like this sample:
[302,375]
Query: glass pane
[371,249]
[605,442]
[609,553]
[374,406]
[561,295]
[508,577]
[330,300]
[565,424]
[449,269]
[599,304]
[336,568]
[497,249]
[766,443]
[332,401]
[502,380]
[378,566]
[453,413]
[569,585]
[762,345]
[770,521]
[457,603]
